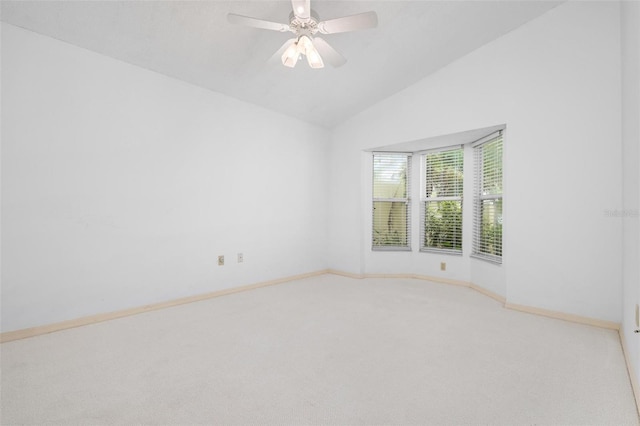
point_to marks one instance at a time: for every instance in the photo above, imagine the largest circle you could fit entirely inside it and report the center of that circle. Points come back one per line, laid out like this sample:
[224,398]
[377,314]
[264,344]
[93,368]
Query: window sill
[441,251]
[391,248]
[487,258]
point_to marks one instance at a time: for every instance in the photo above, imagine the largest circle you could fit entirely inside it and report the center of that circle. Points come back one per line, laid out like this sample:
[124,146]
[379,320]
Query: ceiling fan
[305,24]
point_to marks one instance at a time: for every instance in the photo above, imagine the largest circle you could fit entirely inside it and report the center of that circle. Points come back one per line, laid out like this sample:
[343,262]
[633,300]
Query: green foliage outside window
[492,239]
[491,231]
[443,225]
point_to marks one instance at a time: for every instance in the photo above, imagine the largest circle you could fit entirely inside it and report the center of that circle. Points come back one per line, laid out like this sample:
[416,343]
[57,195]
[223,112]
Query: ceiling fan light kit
[305,24]
[303,46]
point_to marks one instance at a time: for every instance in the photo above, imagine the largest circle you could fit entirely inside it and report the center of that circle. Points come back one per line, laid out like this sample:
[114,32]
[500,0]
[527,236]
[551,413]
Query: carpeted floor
[324,350]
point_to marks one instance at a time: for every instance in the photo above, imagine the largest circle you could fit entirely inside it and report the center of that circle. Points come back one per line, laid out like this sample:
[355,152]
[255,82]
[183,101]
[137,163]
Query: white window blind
[487,220]
[441,200]
[391,228]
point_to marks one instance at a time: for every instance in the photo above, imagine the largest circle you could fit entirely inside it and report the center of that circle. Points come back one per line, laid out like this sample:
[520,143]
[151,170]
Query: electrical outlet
[443,266]
[220,260]
[240,258]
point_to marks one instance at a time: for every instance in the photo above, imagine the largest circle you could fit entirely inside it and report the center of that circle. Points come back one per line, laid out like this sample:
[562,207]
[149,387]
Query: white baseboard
[92,319]
[442,280]
[563,316]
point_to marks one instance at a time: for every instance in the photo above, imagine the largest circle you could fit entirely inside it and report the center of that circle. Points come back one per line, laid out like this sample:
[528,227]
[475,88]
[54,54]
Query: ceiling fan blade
[361,21]
[329,53]
[256,23]
[277,57]
[301,8]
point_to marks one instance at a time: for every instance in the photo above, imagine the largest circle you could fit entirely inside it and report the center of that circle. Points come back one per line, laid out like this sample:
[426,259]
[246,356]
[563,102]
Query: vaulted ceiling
[192,41]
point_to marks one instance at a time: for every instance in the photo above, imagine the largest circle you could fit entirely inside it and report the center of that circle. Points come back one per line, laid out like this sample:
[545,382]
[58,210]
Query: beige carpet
[324,350]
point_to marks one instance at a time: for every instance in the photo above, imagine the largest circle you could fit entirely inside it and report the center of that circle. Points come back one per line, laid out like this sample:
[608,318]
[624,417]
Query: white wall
[555,82]
[121,186]
[630,15]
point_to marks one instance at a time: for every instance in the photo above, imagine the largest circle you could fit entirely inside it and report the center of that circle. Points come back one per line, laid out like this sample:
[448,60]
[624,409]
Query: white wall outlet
[240,258]
[443,266]
[220,260]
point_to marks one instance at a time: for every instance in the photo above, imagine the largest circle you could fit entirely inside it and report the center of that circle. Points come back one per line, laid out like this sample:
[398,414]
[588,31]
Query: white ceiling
[192,41]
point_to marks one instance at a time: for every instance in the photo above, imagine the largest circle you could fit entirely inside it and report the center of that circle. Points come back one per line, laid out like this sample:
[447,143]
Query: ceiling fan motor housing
[304,27]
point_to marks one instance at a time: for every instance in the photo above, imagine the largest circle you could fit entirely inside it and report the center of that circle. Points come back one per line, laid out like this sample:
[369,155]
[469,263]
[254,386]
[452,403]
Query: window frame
[406,200]
[425,200]
[479,198]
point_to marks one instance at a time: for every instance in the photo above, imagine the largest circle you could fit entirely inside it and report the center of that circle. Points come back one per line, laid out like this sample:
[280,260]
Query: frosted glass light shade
[290,56]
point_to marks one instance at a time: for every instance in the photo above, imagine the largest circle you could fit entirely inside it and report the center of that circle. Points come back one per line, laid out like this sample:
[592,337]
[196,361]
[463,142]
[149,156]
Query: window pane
[390,175]
[487,218]
[444,173]
[491,233]
[390,223]
[492,167]
[391,183]
[443,225]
